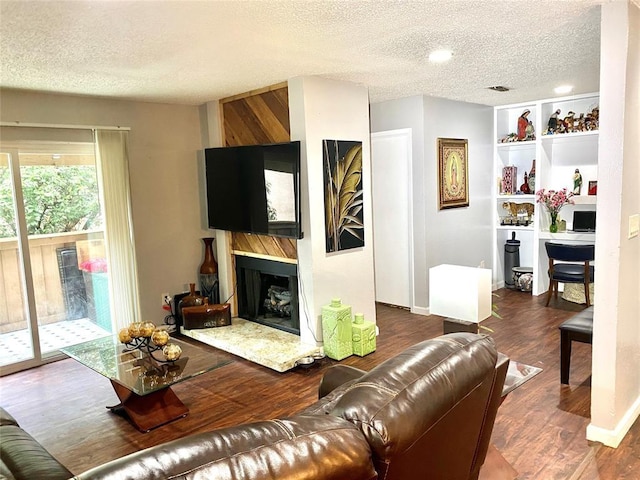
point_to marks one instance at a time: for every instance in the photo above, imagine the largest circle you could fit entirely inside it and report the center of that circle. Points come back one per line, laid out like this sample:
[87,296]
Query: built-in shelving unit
[556,157]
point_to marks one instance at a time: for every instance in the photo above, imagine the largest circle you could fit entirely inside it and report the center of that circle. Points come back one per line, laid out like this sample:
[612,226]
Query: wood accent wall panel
[265,245]
[255,118]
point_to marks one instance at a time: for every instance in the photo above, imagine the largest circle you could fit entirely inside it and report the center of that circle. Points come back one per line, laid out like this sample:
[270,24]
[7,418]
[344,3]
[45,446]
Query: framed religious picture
[453,173]
[593,187]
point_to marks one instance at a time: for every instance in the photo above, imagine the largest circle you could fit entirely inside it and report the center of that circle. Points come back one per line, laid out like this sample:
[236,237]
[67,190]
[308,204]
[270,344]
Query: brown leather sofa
[22,457]
[426,413]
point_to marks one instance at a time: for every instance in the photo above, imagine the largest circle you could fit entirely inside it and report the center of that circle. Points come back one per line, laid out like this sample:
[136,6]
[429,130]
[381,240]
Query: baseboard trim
[420,310]
[612,438]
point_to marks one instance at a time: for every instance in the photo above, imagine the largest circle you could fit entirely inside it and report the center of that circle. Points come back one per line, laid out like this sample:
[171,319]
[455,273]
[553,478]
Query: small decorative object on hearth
[363,335]
[209,284]
[206,316]
[337,330]
[554,201]
[144,336]
[194,299]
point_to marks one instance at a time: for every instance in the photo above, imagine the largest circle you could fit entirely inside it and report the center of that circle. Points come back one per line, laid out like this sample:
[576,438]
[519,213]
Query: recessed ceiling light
[439,56]
[563,89]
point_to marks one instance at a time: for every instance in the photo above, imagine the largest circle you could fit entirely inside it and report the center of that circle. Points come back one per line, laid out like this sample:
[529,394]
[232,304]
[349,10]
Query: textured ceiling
[192,52]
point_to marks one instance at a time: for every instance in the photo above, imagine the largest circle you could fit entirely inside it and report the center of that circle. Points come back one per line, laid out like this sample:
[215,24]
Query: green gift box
[363,336]
[336,330]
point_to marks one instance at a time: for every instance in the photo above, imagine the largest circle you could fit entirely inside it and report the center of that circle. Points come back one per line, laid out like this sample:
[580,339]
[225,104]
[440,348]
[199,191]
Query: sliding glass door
[54,279]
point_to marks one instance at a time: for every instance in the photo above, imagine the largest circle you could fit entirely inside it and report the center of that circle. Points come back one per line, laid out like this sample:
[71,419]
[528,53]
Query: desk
[142,384]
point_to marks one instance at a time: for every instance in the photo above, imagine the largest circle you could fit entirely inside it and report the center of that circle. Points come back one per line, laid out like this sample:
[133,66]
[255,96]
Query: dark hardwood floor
[540,428]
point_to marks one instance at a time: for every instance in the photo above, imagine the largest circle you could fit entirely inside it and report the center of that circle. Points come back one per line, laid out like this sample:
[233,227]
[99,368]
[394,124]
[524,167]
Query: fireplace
[267,292]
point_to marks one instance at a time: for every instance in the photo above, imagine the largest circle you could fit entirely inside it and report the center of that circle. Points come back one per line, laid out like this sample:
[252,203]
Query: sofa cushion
[298,448]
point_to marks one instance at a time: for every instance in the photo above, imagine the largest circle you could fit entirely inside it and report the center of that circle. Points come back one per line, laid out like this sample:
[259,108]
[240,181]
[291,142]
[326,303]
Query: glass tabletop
[139,371]
[517,374]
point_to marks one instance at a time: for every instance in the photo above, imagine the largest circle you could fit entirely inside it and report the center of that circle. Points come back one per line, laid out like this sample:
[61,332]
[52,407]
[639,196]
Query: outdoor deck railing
[47,281]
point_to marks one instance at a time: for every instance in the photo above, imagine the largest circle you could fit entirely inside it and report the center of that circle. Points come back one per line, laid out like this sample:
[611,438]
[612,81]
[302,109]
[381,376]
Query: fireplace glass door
[268,293]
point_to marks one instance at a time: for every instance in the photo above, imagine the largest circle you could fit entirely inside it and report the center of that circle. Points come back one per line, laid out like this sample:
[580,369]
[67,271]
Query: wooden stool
[578,328]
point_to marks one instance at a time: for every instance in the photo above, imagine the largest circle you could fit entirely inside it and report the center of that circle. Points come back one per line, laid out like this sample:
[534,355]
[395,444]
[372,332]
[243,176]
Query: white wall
[615,397]
[461,236]
[321,109]
[163,146]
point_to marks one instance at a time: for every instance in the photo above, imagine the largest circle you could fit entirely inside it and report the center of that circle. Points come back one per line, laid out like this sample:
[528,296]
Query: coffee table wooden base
[147,412]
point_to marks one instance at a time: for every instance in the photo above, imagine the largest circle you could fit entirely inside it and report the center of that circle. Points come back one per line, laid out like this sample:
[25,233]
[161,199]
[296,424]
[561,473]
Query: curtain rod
[49,125]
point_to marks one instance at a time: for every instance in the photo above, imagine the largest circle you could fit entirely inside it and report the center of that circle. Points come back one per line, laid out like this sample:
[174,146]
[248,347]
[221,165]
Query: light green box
[363,336]
[336,330]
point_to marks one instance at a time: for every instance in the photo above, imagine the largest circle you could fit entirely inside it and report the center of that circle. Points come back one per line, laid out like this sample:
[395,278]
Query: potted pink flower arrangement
[554,201]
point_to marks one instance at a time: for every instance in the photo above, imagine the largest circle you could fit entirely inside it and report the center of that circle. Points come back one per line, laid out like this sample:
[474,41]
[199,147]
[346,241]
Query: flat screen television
[255,189]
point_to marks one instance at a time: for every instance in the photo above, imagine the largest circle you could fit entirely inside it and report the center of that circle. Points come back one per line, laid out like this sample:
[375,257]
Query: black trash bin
[511,259]
[72,281]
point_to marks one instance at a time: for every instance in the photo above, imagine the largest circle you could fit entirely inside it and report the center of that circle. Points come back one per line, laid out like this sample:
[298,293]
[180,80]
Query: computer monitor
[584,221]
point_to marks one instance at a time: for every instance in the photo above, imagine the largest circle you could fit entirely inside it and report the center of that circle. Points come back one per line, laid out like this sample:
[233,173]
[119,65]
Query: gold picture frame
[453,173]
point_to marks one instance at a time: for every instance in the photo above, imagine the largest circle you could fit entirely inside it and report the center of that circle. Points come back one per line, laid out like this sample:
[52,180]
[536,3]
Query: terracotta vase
[209,283]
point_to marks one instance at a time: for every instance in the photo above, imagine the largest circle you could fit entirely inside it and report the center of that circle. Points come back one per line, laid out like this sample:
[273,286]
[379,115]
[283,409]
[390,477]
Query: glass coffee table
[142,383]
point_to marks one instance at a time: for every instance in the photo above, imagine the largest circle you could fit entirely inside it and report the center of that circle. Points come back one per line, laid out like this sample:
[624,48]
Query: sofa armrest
[297,448]
[22,457]
[336,376]
[495,400]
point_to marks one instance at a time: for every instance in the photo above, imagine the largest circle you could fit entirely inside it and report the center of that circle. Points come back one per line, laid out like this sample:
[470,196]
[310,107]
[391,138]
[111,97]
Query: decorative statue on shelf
[523,123]
[514,208]
[552,126]
[577,182]
[530,133]
[569,122]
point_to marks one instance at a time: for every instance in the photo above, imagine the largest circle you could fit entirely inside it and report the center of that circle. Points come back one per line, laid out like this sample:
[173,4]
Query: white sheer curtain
[113,166]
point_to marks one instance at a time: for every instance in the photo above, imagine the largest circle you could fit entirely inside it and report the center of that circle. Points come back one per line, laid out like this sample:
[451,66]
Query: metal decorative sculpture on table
[144,336]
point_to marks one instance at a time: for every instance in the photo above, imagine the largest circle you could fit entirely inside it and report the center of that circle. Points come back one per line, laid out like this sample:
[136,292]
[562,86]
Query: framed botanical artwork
[344,217]
[453,173]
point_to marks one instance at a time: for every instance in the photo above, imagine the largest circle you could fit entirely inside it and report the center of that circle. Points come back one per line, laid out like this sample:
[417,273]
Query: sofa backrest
[298,448]
[429,411]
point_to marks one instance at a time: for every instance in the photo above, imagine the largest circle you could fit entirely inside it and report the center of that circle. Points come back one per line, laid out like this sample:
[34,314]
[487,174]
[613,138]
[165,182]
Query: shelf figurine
[552,126]
[577,182]
[569,122]
[530,133]
[523,123]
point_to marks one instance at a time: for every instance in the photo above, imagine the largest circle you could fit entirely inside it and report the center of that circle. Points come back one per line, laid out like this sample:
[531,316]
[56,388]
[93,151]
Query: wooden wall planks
[258,117]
